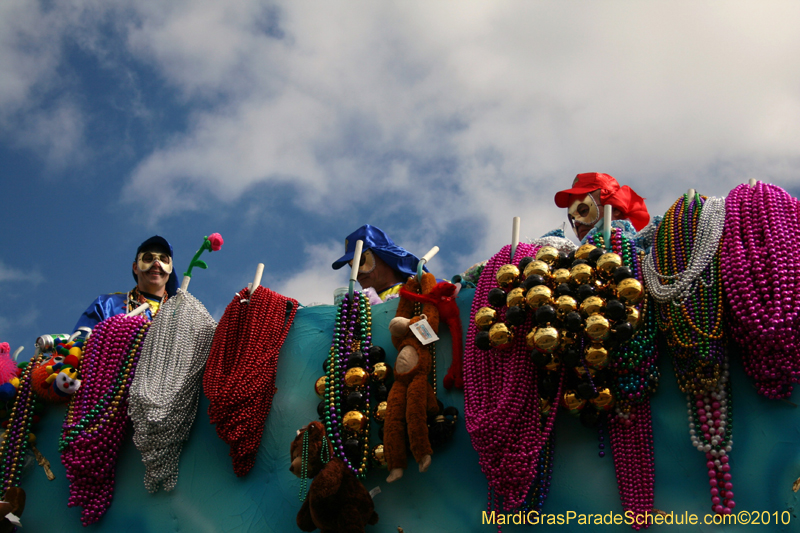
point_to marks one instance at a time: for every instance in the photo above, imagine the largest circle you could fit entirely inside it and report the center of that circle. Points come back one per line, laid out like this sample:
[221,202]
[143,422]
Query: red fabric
[443,297]
[623,198]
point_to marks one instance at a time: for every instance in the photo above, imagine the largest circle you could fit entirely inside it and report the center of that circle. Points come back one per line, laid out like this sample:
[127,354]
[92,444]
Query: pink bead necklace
[761,274]
[502,402]
[97,415]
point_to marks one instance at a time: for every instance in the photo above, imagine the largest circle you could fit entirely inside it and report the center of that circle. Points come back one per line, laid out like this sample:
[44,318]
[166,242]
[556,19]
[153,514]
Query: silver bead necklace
[165,391]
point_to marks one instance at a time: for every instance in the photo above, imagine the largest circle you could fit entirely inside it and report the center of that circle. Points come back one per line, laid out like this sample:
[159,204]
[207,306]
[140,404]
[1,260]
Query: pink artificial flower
[216,241]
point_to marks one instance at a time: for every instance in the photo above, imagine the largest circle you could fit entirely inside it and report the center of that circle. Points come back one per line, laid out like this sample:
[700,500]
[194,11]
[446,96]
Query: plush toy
[14,503]
[9,374]
[411,399]
[57,379]
[336,500]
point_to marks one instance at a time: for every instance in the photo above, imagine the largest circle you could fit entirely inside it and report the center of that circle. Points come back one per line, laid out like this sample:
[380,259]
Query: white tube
[691,194]
[185,283]
[752,182]
[427,257]
[257,279]
[139,310]
[16,352]
[356,260]
[514,236]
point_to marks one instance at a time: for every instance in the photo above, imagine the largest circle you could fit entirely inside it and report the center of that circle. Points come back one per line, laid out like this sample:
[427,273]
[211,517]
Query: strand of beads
[633,361]
[92,437]
[166,390]
[502,400]
[347,393]
[693,325]
[635,379]
[240,373]
[16,439]
[710,430]
[761,272]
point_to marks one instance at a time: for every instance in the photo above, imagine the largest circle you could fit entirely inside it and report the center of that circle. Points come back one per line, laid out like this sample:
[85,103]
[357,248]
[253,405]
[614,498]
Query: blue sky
[284,126]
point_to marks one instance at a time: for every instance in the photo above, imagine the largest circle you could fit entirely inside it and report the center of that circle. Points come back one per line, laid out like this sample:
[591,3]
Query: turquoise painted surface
[451,496]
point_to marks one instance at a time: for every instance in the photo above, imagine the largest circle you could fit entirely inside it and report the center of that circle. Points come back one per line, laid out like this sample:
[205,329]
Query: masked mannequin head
[590,192]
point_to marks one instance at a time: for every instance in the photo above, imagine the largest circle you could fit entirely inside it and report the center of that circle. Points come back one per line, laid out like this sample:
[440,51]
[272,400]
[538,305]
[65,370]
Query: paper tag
[423,331]
[374,492]
[14,519]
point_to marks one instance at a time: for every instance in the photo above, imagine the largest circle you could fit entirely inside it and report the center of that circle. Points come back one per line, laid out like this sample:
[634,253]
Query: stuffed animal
[411,399]
[14,503]
[57,379]
[9,374]
[336,500]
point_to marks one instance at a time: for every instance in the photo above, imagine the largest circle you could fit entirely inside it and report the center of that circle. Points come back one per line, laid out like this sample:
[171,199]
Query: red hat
[623,198]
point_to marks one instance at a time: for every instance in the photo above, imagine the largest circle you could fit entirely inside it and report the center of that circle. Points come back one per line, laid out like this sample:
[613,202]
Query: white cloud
[316,282]
[510,95]
[8,273]
[438,112]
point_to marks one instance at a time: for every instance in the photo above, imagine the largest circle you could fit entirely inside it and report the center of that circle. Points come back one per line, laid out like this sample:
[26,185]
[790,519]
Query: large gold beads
[319,386]
[633,317]
[592,305]
[546,339]
[378,455]
[507,276]
[485,317]
[516,297]
[379,414]
[500,335]
[565,304]
[548,254]
[573,402]
[608,263]
[596,356]
[538,296]
[354,421]
[537,268]
[381,371]
[580,274]
[604,399]
[584,250]
[597,327]
[560,276]
[356,377]
[630,290]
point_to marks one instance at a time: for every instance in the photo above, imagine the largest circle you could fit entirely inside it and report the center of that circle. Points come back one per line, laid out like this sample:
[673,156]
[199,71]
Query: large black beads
[356,358]
[482,341]
[515,316]
[615,310]
[545,314]
[532,281]
[622,273]
[376,354]
[497,297]
[573,321]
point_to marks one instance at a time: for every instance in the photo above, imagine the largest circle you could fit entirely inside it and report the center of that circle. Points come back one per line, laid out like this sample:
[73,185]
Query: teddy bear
[337,502]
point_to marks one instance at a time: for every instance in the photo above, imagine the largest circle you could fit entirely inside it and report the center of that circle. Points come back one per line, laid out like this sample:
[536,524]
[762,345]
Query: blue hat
[399,259]
[156,240]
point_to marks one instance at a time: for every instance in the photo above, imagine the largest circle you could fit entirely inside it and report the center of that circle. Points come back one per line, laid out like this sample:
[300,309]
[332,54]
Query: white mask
[591,218]
[146,260]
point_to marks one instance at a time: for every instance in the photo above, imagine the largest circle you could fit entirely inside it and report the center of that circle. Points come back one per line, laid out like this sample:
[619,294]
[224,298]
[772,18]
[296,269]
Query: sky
[284,126]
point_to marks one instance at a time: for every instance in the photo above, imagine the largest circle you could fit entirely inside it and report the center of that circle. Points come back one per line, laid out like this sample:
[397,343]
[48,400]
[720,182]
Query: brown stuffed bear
[337,502]
[411,398]
[13,502]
